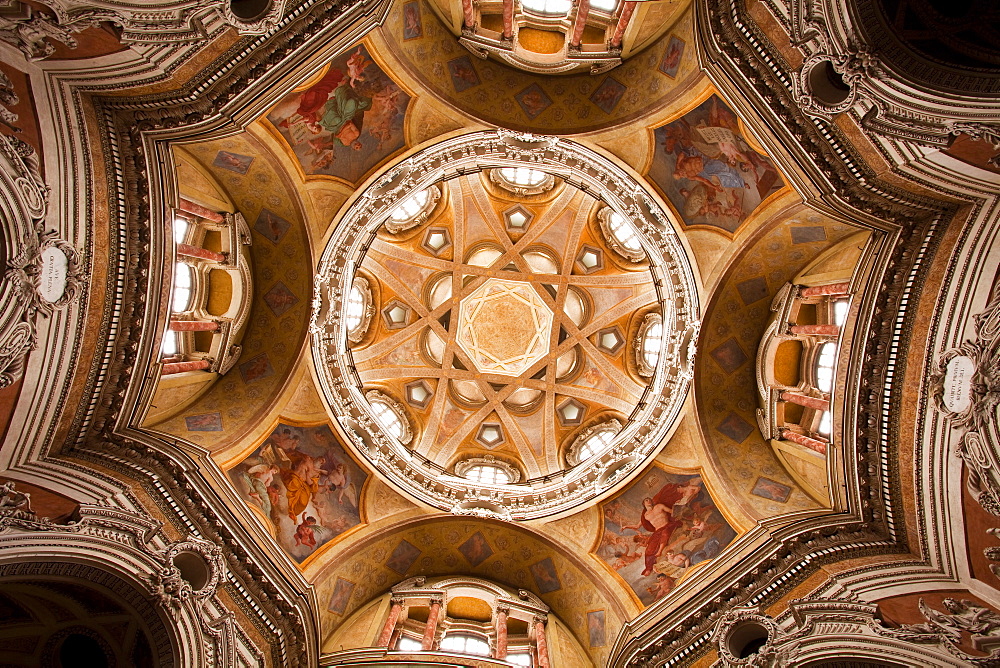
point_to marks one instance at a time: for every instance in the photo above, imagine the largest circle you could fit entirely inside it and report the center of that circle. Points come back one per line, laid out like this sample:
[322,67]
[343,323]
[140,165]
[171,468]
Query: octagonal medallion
[504,326]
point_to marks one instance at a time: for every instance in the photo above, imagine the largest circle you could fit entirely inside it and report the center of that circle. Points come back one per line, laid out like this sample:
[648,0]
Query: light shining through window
[523,176]
[463,643]
[595,444]
[355,309]
[410,206]
[182,287]
[624,231]
[547,6]
[651,344]
[824,367]
[487,475]
[180,230]
[408,644]
[387,418]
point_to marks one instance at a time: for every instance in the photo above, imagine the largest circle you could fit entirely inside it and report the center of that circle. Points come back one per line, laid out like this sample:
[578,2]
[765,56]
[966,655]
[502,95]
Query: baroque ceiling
[614,338]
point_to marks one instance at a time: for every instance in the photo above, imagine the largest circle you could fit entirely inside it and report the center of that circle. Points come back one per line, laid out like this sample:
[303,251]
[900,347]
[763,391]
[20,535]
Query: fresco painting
[413,26]
[708,171]
[672,56]
[234,162]
[773,490]
[302,479]
[595,628]
[345,123]
[661,526]
[341,596]
[607,95]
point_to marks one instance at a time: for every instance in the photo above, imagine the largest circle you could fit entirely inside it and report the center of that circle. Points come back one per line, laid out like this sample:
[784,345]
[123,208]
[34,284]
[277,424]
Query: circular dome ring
[648,426]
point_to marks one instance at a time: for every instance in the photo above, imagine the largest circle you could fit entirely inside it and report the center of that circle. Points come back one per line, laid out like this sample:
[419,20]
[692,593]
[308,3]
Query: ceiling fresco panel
[660,528]
[708,171]
[306,485]
[346,122]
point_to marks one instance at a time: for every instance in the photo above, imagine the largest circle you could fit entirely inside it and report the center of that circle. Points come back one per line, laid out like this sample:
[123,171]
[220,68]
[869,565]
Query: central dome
[504,325]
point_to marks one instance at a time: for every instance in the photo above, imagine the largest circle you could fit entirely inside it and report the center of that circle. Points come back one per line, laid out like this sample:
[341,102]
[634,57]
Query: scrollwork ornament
[965,387]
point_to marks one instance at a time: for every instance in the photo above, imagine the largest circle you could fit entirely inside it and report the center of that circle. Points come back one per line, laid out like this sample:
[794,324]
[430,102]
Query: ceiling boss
[504,325]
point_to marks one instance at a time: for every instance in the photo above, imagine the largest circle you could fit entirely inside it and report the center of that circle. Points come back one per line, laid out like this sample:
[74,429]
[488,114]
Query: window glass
[387,418]
[488,475]
[355,308]
[824,367]
[547,6]
[604,5]
[840,308]
[595,444]
[651,343]
[825,424]
[180,230]
[170,343]
[408,644]
[623,231]
[519,658]
[464,643]
[182,287]
[410,206]
[524,176]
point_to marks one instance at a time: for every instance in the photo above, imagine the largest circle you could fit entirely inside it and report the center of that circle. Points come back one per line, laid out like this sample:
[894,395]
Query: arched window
[465,643]
[182,288]
[648,344]
[522,180]
[620,235]
[390,416]
[547,6]
[359,309]
[592,441]
[487,470]
[825,361]
[413,210]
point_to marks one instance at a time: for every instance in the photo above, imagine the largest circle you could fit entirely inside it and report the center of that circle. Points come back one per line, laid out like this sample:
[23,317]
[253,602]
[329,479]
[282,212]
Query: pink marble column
[501,625]
[540,644]
[803,400]
[180,367]
[390,623]
[822,290]
[468,15]
[627,10]
[811,443]
[822,330]
[508,19]
[194,326]
[430,630]
[582,11]
[194,251]
[188,206]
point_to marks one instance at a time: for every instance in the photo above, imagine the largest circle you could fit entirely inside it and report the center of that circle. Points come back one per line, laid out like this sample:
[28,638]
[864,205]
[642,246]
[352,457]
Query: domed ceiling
[510,319]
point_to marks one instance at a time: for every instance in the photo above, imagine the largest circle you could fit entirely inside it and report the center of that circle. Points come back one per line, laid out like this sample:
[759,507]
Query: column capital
[540,619]
[502,609]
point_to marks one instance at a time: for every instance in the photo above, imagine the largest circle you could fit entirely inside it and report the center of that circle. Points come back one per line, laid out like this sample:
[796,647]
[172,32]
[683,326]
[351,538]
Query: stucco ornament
[677,295]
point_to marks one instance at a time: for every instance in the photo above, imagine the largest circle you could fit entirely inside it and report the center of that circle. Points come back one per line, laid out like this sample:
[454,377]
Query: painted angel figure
[658,517]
